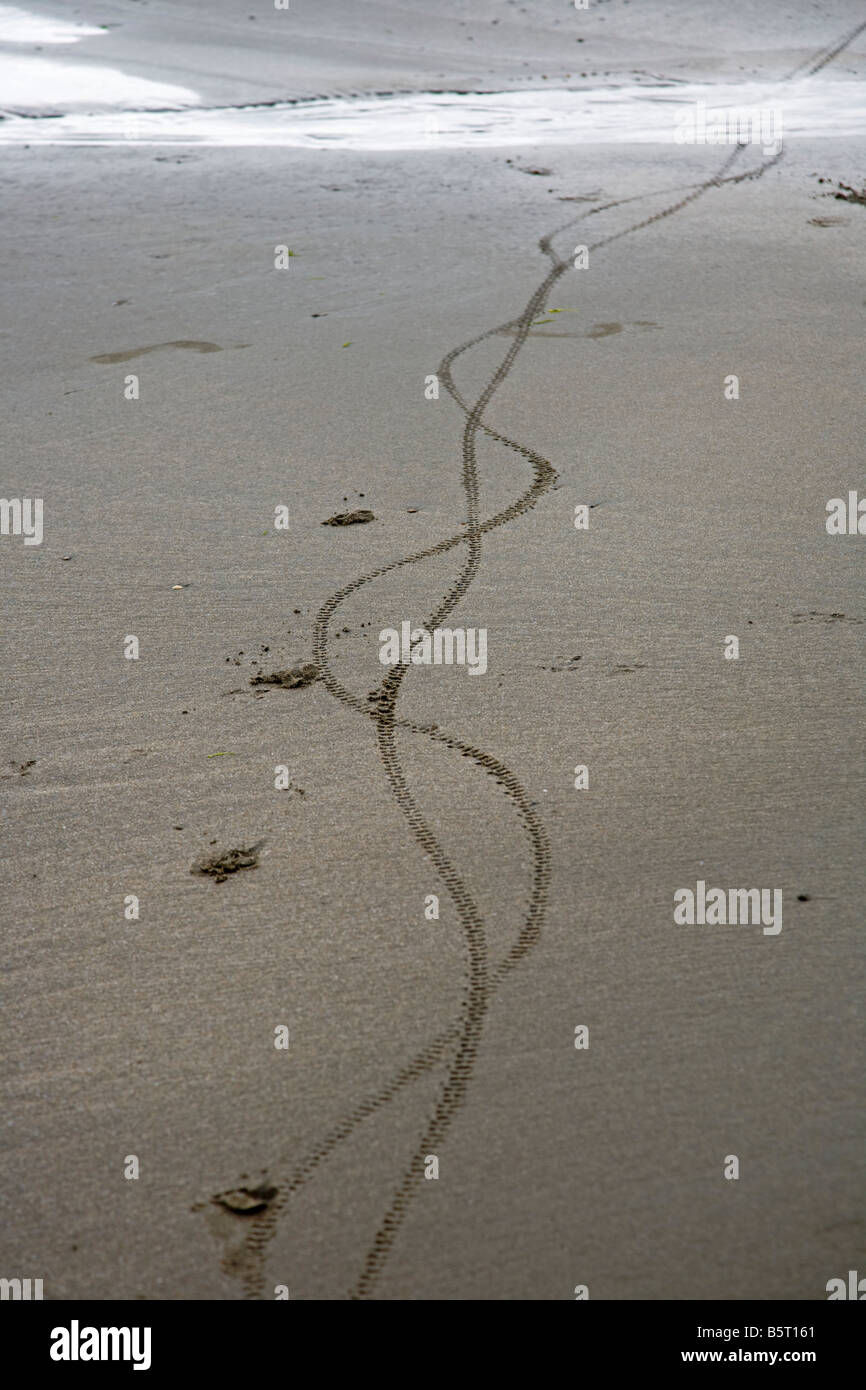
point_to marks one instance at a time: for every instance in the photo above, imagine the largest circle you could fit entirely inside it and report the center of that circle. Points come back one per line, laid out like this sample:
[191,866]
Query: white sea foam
[423,121]
[35,85]
[17,26]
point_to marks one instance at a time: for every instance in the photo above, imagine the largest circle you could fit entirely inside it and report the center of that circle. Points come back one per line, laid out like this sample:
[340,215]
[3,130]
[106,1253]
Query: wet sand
[304,388]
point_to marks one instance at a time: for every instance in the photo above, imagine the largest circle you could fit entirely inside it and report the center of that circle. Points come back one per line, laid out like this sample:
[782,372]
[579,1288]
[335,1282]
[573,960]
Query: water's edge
[682,113]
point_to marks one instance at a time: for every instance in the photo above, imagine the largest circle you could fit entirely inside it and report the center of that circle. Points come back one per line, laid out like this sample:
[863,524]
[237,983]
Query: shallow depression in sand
[763,114]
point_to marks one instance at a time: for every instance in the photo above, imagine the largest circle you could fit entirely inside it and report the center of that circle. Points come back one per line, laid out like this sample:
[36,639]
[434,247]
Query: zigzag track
[463,1037]
[458,1044]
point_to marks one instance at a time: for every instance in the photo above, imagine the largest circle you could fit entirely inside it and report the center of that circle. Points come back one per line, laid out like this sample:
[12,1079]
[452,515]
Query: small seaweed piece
[851,195]
[219,866]
[290,680]
[349,518]
[246,1201]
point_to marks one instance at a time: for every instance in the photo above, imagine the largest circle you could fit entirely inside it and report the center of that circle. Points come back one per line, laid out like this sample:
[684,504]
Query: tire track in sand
[264,1226]
[459,1043]
[819,60]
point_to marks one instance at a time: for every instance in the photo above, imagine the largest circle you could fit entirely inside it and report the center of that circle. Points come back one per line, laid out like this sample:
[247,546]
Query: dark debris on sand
[219,866]
[21,769]
[349,518]
[845,193]
[289,680]
[246,1201]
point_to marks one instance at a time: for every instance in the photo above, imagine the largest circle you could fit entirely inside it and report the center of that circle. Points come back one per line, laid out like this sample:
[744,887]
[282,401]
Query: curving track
[456,1048]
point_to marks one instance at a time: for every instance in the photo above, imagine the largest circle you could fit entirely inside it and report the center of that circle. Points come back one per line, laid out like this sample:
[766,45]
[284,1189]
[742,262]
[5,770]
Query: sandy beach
[410,1036]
